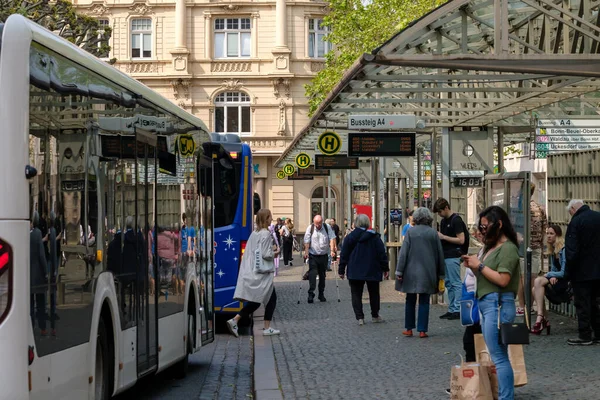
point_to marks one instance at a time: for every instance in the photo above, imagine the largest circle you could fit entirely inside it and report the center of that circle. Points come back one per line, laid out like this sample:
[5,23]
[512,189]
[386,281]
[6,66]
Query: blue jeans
[453,284]
[409,312]
[488,306]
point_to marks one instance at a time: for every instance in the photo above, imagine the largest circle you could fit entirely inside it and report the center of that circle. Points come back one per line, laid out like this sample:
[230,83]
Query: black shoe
[445,316]
[452,316]
[311,300]
[322,298]
[580,342]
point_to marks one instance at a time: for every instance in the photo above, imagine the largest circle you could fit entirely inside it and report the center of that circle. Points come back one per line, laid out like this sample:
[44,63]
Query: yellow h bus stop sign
[329,143]
[303,160]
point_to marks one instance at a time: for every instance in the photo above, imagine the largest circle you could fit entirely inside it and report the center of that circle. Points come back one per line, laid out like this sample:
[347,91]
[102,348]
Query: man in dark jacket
[37,275]
[583,269]
[366,258]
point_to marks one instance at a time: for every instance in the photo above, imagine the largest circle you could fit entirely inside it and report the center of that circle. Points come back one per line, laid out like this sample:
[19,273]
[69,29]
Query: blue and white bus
[234,209]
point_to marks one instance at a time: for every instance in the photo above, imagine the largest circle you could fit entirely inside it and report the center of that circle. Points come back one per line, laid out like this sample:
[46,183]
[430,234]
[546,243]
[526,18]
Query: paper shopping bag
[470,382]
[515,355]
[486,361]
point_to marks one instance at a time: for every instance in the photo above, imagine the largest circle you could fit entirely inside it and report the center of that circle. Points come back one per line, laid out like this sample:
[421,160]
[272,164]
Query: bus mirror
[257,205]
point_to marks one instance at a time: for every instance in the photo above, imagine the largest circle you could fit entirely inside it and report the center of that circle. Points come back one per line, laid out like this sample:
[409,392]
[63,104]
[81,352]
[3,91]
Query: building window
[317,45]
[141,38]
[232,37]
[103,23]
[232,113]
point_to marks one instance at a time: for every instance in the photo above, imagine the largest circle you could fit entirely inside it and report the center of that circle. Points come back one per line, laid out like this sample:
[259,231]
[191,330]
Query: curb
[266,382]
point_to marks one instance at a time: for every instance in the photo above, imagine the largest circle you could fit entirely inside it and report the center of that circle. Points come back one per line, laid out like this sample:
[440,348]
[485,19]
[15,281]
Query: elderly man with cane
[319,244]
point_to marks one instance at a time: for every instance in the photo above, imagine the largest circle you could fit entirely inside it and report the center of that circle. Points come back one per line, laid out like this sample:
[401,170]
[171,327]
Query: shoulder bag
[513,332]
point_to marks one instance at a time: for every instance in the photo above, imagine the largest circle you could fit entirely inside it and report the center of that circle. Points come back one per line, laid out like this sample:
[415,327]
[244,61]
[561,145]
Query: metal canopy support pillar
[445,156]
[434,160]
[330,210]
[382,215]
[500,149]
[349,197]
[419,175]
[325,210]
[374,191]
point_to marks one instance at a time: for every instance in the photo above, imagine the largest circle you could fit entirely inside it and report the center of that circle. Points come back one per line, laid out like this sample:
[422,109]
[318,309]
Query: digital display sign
[335,162]
[468,181]
[296,177]
[397,144]
[123,147]
[311,171]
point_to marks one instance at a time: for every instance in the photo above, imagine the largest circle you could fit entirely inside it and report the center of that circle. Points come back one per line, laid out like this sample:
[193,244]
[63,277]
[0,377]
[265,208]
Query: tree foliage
[61,18]
[357,28]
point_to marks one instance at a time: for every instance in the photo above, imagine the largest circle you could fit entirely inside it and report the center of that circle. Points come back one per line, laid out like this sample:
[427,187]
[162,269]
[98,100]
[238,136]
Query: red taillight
[5,279]
[243,247]
[30,355]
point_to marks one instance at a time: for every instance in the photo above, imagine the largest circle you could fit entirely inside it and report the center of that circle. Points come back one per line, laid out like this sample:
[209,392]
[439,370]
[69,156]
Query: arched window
[318,203]
[232,113]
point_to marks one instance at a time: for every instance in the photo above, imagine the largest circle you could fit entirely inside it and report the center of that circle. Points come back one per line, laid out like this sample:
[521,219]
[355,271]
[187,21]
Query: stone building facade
[239,66]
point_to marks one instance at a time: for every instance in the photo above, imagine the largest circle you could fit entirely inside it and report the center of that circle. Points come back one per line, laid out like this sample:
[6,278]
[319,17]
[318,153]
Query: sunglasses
[484,227]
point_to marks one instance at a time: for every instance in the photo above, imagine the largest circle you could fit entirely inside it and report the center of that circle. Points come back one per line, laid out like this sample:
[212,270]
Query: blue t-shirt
[405,229]
[187,232]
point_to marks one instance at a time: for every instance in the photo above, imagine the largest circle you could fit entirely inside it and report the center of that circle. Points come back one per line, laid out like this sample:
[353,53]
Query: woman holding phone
[498,276]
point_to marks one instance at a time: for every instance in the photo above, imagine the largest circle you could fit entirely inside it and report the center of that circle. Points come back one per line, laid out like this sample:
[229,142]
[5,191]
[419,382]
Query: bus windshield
[227,193]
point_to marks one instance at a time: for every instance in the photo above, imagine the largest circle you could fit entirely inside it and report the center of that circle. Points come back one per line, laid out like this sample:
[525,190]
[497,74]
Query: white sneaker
[271,332]
[233,328]
[361,322]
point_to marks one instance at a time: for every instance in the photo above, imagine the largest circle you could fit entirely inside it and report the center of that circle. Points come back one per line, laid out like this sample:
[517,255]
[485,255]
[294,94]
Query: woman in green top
[497,283]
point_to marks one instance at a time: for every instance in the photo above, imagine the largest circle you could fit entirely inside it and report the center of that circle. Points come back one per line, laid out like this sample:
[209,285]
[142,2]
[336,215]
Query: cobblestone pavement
[221,370]
[322,353]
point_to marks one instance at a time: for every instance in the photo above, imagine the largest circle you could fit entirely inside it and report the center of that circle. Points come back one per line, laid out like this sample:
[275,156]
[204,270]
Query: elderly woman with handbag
[255,279]
[498,276]
[420,266]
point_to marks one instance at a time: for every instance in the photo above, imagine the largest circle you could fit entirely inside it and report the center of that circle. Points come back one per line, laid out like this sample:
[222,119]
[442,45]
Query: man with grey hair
[319,245]
[583,269]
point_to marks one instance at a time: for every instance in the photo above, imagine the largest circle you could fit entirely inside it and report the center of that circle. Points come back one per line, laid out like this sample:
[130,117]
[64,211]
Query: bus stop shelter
[496,64]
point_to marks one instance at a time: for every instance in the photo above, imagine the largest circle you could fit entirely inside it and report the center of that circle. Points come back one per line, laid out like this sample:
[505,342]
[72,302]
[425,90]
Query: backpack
[464,248]
[312,229]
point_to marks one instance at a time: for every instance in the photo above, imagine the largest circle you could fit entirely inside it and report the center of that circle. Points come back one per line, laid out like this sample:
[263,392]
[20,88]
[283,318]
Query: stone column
[180,29]
[180,53]
[280,25]
[207,35]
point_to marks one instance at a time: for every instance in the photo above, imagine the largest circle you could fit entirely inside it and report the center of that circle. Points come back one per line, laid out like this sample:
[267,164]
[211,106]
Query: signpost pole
[349,198]
[419,175]
[383,215]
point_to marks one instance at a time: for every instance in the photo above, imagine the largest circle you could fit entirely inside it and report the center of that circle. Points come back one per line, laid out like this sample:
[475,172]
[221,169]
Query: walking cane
[301,279]
[337,286]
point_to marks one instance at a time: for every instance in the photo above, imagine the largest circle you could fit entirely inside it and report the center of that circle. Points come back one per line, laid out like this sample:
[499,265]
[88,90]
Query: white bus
[104,295]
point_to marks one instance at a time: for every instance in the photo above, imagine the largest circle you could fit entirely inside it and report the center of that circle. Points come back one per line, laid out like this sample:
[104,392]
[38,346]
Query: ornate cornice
[232,84]
[281,85]
[140,8]
[181,88]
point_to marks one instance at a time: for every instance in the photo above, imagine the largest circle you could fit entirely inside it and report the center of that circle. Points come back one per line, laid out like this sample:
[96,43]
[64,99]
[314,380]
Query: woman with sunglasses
[498,279]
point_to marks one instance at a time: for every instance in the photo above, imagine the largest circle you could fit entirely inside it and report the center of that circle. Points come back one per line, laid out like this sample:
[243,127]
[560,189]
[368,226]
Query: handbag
[469,308]
[513,332]
[262,266]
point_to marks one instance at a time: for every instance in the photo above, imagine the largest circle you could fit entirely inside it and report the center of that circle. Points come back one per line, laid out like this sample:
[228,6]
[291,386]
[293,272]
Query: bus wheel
[101,378]
[181,368]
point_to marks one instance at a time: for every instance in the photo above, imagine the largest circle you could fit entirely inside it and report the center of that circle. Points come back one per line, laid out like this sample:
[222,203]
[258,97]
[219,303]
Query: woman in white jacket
[257,288]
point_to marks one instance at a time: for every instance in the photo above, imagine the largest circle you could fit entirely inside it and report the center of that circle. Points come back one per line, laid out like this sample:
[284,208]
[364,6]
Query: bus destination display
[398,144]
[335,162]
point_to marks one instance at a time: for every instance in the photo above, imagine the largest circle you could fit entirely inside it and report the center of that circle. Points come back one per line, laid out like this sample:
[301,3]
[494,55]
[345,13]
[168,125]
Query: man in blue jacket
[365,256]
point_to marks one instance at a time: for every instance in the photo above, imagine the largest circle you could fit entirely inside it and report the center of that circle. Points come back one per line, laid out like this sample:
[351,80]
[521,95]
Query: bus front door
[145,305]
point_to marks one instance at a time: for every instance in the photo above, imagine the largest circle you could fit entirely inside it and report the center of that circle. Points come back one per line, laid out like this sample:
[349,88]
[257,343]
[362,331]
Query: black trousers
[469,342]
[356,289]
[251,306]
[287,251]
[316,265]
[586,305]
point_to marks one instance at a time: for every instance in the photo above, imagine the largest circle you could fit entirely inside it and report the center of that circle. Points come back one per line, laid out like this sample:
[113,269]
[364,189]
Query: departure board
[335,162]
[397,144]
[311,171]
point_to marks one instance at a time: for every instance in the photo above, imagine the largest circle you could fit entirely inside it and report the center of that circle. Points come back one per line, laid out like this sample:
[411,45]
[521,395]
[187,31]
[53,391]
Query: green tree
[357,28]
[60,17]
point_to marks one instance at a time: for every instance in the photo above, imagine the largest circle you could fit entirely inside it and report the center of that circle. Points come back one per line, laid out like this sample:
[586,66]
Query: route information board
[563,135]
[400,144]
[335,162]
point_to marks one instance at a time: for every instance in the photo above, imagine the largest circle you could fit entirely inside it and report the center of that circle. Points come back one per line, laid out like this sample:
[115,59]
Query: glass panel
[245,23]
[320,45]
[232,45]
[311,44]
[516,211]
[226,193]
[219,23]
[232,23]
[219,45]
[147,42]
[233,125]
[219,119]
[311,24]
[246,119]
[135,41]
[246,44]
